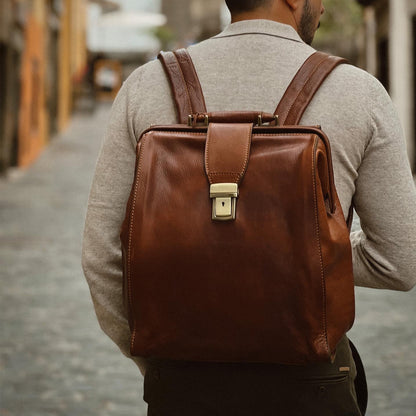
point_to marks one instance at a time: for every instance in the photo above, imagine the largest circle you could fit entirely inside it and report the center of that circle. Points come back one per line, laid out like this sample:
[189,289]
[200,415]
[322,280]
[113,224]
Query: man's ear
[294,4]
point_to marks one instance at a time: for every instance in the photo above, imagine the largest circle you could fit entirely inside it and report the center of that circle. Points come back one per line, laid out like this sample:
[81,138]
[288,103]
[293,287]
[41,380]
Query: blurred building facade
[390,54]
[193,20]
[42,56]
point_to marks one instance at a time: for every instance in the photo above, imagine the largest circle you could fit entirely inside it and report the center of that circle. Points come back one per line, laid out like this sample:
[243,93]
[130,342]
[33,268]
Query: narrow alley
[54,360]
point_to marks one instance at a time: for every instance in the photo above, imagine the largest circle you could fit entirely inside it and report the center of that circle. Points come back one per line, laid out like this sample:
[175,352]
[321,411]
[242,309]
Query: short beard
[307,23]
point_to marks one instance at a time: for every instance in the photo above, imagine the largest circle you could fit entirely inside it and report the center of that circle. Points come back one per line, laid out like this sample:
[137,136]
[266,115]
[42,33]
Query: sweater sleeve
[384,250]
[101,253]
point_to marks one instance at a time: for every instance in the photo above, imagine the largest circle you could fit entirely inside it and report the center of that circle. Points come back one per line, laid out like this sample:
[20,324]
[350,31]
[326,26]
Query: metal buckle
[260,120]
[192,120]
[224,197]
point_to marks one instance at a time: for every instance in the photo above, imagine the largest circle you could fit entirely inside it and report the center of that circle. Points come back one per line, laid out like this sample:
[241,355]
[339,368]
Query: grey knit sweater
[248,67]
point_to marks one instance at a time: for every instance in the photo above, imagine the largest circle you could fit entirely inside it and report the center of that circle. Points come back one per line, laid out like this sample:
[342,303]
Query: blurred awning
[123,32]
[140,20]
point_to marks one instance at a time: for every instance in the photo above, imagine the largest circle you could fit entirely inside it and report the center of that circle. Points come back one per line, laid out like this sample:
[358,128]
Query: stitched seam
[197,82]
[234,179]
[225,173]
[256,33]
[187,82]
[305,83]
[281,134]
[179,133]
[172,68]
[318,237]
[208,145]
[238,174]
[284,115]
[185,85]
[245,163]
[235,174]
[129,279]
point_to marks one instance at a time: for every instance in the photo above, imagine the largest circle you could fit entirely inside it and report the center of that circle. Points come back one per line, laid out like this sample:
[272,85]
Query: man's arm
[101,255]
[384,252]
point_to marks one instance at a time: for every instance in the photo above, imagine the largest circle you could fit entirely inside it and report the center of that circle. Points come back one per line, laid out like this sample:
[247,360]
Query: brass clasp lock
[224,197]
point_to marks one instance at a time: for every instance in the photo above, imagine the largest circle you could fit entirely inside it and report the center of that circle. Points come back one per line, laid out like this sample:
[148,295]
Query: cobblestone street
[54,359]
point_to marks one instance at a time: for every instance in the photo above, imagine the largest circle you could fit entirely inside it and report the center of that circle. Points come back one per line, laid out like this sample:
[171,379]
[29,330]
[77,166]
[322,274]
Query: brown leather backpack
[235,246]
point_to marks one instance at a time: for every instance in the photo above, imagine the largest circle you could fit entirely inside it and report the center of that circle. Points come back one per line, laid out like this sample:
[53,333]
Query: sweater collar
[265,27]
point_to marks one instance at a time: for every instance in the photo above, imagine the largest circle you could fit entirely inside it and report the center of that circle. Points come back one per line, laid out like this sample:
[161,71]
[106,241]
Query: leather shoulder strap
[184,83]
[304,86]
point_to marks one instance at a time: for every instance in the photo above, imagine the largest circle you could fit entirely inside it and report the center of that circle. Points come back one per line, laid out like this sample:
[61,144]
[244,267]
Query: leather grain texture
[304,86]
[193,85]
[227,152]
[274,285]
[185,85]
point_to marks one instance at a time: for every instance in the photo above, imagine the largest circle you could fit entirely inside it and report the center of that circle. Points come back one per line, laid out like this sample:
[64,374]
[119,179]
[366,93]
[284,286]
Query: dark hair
[240,6]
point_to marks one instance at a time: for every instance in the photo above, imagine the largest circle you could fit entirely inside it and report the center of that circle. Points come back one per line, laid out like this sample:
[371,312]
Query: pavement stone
[54,360]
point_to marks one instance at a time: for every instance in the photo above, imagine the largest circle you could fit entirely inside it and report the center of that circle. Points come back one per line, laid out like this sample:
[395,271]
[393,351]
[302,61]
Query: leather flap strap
[227,152]
[185,86]
[304,86]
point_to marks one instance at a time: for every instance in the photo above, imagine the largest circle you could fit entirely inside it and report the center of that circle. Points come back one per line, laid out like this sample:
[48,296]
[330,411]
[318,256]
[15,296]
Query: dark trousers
[226,389]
